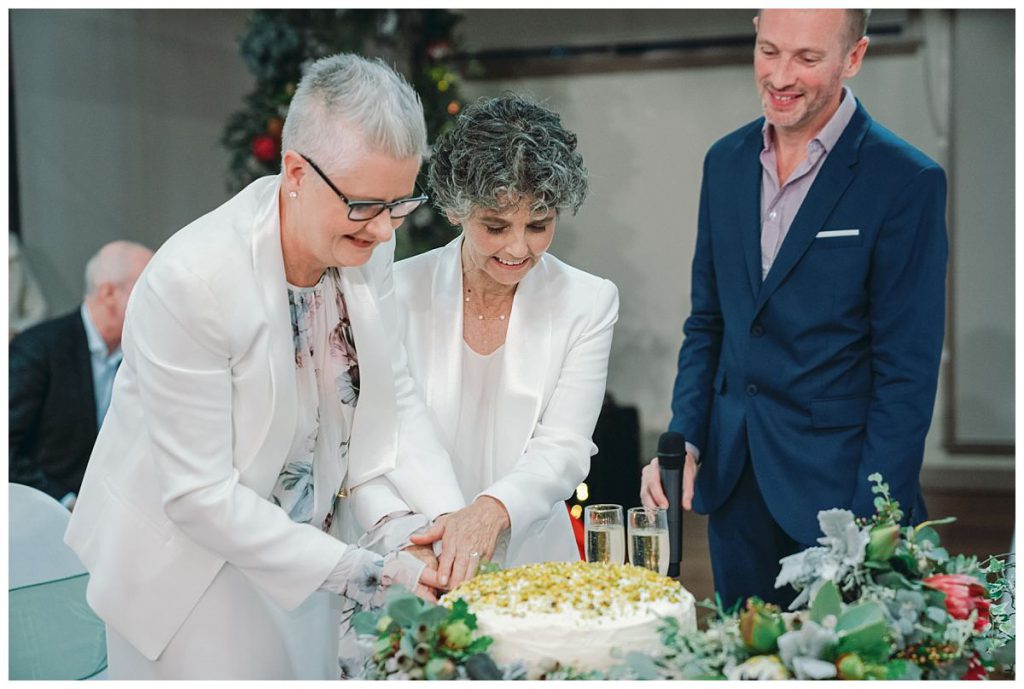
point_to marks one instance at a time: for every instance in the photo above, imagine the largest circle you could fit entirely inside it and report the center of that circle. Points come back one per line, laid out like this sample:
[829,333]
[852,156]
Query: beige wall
[118,116]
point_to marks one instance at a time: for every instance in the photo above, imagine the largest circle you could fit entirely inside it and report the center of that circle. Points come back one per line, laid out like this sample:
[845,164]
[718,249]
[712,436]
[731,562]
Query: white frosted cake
[573,613]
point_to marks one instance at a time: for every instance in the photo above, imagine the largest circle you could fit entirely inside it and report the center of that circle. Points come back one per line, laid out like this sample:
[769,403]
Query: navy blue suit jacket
[828,368]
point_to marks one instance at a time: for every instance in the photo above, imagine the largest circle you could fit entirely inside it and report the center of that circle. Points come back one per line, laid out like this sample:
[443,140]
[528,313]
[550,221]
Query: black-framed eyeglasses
[368,210]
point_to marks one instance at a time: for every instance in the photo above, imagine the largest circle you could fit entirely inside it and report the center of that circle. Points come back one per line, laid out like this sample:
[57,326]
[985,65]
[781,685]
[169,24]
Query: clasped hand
[467,537]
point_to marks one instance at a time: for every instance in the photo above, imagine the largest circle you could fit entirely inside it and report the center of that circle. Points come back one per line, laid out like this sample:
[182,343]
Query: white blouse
[473,455]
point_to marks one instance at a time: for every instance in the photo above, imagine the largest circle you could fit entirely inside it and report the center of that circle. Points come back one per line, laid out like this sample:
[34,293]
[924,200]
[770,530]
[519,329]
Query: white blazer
[203,414]
[555,367]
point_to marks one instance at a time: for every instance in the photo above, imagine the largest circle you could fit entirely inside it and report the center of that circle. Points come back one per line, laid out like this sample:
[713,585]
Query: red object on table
[577,531]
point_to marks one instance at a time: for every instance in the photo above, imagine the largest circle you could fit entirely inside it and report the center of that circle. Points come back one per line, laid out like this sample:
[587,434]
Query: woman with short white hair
[262,383]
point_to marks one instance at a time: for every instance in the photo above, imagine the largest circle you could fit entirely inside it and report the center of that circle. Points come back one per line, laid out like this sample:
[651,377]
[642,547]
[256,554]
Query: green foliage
[277,45]
[413,639]
[917,614]
[885,616]
[826,602]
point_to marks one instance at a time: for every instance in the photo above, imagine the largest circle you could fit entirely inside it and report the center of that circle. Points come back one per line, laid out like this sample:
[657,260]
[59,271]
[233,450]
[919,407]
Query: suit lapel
[82,368]
[748,171]
[372,446]
[443,391]
[834,177]
[268,266]
[526,361]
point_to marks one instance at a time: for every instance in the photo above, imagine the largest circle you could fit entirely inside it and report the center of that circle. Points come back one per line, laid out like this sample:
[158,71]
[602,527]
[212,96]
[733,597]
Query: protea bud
[761,625]
[964,594]
[883,541]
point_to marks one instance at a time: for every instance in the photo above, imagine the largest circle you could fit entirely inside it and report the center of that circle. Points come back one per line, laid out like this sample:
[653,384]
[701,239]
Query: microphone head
[671,450]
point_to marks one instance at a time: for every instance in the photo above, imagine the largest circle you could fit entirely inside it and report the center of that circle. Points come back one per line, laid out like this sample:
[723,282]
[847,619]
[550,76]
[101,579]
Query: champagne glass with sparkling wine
[606,534]
[648,539]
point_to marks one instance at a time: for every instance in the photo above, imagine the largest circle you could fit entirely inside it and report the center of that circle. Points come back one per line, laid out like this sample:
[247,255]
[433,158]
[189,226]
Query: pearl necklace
[481,317]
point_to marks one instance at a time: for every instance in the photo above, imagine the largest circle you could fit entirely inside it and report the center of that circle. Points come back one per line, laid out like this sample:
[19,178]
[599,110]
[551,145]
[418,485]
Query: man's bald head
[856,26]
[110,276]
[119,262]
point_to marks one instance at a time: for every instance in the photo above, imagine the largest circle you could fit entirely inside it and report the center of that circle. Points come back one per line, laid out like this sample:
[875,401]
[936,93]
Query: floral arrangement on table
[876,600]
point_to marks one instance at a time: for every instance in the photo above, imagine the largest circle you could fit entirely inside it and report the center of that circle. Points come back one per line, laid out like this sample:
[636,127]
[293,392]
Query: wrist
[497,508]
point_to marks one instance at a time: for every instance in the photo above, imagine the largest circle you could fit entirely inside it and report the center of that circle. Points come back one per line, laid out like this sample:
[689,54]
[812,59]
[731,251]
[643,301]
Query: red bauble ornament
[439,50]
[264,148]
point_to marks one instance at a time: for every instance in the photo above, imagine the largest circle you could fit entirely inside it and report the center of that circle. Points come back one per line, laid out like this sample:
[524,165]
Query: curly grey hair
[346,104]
[501,151]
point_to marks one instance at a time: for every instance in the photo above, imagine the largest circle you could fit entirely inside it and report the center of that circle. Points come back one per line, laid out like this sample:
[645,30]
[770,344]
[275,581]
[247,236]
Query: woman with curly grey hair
[509,345]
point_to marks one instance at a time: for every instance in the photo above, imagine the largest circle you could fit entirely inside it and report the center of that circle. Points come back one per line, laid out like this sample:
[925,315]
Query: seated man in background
[61,376]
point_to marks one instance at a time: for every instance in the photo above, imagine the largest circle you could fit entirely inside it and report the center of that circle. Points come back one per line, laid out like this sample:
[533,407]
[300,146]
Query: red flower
[264,148]
[975,670]
[963,595]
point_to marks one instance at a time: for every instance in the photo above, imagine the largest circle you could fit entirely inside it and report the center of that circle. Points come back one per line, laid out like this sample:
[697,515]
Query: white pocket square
[837,233]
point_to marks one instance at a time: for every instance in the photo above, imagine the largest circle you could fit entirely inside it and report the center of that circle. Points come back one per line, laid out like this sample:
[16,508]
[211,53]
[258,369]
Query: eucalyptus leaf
[936,614]
[1005,655]
[826,602]
[862,630]
[895,580]
[927,535]
[432,615]
[405,610]
[365,622]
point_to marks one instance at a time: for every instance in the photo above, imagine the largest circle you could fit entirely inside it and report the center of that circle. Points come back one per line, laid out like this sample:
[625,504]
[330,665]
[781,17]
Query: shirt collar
[833,129]
[97,346]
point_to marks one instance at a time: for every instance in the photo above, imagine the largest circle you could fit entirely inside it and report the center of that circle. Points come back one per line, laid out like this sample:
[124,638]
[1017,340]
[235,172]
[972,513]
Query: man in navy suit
[811,352]
[61,376]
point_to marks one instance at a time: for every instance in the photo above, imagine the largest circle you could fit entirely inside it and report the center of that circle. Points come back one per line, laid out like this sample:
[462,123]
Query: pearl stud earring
[293,194]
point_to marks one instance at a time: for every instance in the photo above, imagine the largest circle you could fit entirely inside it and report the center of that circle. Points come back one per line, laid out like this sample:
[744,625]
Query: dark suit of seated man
[62,373]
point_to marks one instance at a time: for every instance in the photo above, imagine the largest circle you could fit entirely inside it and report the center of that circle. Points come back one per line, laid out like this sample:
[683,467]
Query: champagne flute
[606,535]
[648,539]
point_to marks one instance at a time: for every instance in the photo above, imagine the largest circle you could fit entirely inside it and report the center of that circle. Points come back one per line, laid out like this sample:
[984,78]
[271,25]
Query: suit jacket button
[757,330]
[751,389]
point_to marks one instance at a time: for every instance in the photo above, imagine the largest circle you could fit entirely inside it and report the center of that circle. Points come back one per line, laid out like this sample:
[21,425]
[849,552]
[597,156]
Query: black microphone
[671,455]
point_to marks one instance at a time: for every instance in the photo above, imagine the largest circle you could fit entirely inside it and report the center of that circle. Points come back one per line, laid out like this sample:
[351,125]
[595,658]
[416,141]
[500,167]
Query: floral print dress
[327,377]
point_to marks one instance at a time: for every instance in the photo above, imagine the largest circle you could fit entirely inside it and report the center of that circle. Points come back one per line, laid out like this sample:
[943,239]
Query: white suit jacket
[202,417]
[552,384]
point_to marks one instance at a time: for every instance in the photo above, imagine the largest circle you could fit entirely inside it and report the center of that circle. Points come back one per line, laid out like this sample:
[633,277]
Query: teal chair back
[53,634]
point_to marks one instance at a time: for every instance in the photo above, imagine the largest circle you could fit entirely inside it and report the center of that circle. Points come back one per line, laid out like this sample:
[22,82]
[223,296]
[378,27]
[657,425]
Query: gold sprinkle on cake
[584,589]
